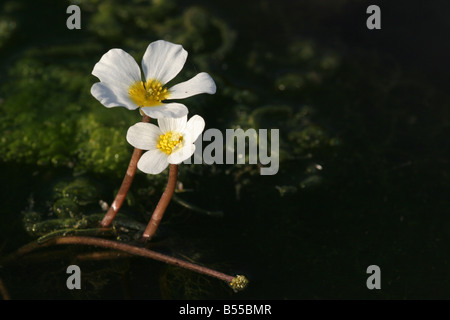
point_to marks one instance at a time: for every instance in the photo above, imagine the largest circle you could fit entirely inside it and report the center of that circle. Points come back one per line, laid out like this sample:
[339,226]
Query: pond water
[363,178]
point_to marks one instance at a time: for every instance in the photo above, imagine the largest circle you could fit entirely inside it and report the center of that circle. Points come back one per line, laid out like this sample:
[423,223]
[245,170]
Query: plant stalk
[158,213]
[236,283]
[126,184]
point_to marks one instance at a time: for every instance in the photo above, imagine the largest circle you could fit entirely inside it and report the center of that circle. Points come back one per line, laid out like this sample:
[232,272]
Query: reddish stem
[162,204]
[126,184]
[128,249]
[4,291]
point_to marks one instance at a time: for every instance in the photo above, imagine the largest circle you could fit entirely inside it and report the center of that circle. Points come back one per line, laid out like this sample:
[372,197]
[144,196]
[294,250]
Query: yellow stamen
[239,283]
[148,94]
[169,141]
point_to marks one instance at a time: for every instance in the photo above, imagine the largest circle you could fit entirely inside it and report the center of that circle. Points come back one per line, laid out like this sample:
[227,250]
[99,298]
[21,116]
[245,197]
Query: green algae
[64,126]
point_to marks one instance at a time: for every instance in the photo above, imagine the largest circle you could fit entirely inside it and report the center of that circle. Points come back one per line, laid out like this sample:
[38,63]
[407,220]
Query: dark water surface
[364,155]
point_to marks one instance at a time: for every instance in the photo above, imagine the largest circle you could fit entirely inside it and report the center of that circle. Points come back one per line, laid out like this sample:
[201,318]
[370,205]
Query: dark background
[384,196]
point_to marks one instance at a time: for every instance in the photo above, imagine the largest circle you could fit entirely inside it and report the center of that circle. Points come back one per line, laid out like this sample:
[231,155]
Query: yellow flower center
[147,94]
[169,141]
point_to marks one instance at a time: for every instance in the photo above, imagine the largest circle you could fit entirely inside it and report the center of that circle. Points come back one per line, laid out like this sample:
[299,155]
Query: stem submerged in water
[237,283]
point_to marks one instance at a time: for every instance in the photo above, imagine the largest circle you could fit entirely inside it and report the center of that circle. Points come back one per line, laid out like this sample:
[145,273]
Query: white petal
[201,83]
[117,67]
[182,154]
[143,135]
[172,124]
[163,61]
[166,110]
[112,96]
[153,162]
[194,127]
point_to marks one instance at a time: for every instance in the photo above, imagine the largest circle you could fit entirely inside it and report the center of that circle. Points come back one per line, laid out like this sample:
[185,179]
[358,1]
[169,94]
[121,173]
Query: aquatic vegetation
[121,85]
[171,142]
[65,127]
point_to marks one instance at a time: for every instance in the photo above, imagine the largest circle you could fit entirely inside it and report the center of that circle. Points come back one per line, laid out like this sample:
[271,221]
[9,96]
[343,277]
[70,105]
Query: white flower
[170,143]
[121,82]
